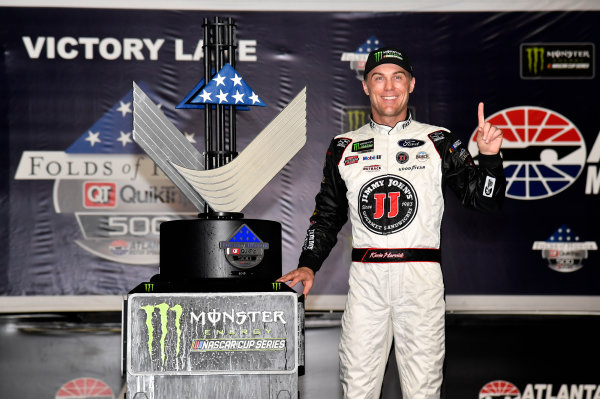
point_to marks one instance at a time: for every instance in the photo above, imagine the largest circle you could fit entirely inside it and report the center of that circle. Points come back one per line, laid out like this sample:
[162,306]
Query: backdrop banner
[81,203]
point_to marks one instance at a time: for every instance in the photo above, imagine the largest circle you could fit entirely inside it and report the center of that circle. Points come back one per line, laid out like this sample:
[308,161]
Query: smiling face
[388,87]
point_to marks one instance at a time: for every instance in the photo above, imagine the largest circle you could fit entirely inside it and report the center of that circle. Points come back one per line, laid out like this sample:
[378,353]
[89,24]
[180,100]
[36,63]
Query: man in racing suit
[389,176]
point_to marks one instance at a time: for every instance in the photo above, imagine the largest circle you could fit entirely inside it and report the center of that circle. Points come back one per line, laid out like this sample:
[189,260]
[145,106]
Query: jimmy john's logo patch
[387,204]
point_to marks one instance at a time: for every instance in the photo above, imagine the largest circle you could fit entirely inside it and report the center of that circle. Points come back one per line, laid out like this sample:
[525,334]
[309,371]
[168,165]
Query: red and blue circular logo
[543,151]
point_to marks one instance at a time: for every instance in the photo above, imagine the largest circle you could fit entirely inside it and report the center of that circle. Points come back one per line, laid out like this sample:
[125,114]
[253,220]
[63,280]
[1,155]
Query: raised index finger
[480,115]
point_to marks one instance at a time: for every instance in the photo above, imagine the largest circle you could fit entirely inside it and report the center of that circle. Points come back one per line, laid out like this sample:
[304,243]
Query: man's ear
[365,88]
[412,86]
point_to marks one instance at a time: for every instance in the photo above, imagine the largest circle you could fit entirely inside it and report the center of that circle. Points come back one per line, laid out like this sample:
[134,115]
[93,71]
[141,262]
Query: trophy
[214,323]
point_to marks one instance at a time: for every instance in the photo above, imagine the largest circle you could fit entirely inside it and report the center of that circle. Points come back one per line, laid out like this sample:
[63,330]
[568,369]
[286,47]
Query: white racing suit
[391,181]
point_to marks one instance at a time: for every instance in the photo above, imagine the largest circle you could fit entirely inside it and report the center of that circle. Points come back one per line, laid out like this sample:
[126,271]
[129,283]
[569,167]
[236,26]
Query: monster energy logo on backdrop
[354,117]
[535,59]
[163,310]
[557,60]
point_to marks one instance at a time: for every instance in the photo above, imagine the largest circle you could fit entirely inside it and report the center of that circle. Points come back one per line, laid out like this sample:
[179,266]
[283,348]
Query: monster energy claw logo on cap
[387,55]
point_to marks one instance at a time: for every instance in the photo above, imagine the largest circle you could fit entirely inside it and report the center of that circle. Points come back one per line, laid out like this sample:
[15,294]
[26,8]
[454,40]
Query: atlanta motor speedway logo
[544,153]
[500,389]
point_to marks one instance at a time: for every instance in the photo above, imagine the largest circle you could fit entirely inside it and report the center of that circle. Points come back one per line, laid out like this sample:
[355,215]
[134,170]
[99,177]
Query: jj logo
[164,310]
[380,204]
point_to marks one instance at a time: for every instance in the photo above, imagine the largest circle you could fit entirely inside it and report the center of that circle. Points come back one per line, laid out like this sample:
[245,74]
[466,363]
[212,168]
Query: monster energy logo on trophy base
[162,308]
[205,333]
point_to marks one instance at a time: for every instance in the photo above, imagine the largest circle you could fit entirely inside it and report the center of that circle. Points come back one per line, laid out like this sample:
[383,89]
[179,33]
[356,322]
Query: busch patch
[422,156]
[387,204]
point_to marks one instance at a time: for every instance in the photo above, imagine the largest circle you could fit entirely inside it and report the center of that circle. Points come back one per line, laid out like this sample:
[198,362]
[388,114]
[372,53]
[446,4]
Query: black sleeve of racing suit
[478,187]
[331,210]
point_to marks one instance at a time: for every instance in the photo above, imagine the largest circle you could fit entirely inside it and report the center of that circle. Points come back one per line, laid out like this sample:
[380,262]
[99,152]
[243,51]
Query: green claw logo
[535,59]
[163,308]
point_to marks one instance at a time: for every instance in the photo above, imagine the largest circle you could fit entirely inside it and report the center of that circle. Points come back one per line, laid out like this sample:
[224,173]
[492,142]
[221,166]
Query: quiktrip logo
[564,250]
[544,152]
[99,195]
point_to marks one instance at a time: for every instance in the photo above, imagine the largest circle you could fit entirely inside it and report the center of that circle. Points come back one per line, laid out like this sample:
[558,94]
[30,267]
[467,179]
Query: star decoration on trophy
[227,87]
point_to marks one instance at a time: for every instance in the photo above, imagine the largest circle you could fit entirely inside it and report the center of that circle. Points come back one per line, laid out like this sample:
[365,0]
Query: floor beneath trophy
[537,355]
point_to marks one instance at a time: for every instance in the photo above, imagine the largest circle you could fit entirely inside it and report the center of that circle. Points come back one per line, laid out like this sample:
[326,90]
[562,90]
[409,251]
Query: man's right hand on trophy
[301,274]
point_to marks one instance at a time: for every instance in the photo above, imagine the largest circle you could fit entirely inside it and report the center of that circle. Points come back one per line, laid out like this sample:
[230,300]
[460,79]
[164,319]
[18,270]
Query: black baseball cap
[387,55]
